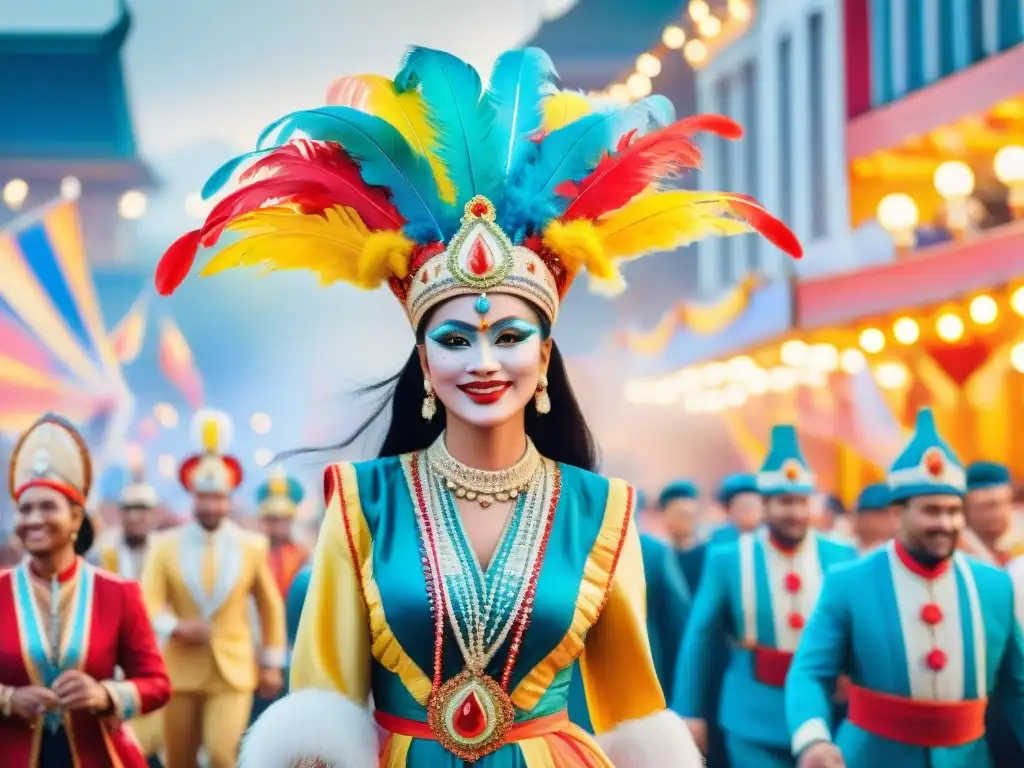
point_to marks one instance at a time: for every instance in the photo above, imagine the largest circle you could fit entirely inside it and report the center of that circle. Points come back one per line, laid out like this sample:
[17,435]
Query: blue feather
[519,83]
[223,175]
[568,154]
[385,160]
[467,144]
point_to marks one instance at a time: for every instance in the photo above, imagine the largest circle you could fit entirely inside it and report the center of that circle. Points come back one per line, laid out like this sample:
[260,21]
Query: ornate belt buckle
[470,715]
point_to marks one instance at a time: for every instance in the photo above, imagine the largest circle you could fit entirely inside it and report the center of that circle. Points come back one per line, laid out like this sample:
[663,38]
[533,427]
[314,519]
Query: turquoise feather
[385,160]
[223,175]
[467,143]
[568,154]
[519,83]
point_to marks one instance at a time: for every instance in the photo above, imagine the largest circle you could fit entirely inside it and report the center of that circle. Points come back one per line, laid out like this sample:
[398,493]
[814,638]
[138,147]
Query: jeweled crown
[479,258]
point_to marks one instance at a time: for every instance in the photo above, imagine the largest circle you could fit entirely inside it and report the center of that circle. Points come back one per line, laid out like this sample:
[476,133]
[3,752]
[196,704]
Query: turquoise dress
[369,629]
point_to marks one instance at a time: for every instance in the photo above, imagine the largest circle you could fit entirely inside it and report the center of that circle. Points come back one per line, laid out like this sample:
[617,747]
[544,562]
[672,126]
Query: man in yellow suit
[197,584]
[125,554]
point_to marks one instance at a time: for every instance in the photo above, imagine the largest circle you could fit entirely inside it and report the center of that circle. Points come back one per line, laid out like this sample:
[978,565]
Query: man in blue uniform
[756,593]
[744,508]
[924,633]
[875,520]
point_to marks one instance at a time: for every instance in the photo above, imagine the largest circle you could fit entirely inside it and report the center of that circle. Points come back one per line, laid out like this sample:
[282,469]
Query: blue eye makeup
[508,332]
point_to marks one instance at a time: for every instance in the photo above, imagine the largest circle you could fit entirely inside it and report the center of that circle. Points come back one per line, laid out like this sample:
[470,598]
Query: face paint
[485,367]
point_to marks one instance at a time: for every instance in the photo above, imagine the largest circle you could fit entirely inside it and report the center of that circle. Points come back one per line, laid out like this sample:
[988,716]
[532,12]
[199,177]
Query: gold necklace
[482,485]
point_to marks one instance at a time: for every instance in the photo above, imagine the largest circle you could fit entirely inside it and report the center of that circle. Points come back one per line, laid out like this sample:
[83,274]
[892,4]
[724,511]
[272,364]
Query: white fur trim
[811,732]
[275,658]
[311,724]
[653,742]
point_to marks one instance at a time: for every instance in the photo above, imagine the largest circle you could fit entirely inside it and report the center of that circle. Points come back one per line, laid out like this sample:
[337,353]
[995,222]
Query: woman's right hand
[32,701]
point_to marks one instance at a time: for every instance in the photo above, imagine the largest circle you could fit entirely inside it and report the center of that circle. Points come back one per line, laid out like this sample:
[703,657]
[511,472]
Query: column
[898,39]
[707,250]
[799,112]
[932,41]
[881,53]
[768,100]
[837,177]
[962,34]
[738,181]
[990,26]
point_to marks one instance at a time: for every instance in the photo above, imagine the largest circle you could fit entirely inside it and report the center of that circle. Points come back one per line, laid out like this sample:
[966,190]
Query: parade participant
[924,633]
[990,533]
[125,555]
[278,502]
[197,583]
[743,505]
[67,625]
[668,565]
[757,593]
[875,521]
[483,477]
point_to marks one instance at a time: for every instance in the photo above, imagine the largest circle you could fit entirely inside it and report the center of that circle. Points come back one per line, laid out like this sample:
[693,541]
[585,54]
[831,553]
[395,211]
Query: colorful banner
[55,354]
[692,317]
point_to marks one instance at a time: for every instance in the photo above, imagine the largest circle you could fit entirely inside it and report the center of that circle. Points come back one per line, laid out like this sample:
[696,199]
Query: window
[785,54]
[751,150]
[726,272]
[818,167]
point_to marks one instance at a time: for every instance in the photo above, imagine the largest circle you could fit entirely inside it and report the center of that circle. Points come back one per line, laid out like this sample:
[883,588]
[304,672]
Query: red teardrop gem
[470,719]
[479,261]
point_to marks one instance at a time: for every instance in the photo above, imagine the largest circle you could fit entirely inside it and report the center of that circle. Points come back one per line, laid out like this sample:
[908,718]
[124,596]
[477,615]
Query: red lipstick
[485,392]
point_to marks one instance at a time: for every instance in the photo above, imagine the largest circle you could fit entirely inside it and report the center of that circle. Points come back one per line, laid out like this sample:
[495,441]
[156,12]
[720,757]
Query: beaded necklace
[471,713]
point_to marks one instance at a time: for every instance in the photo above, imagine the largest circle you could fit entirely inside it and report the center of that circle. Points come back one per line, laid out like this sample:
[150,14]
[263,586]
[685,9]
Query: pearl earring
[541,400]
[429,409]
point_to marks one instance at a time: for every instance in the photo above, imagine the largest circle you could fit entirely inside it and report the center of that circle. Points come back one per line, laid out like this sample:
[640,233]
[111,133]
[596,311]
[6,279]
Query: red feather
[325,165]
[314,175]
[176,263]
[640,162]
[773,230]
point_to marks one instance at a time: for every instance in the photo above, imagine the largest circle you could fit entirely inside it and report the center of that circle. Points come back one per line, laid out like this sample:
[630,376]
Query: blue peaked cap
[734,485]
[927,465]
[785,470]
[986,474]
[874,498]
[678,489]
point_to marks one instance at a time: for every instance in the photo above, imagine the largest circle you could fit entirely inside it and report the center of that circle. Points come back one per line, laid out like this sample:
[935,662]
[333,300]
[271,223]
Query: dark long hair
[561,435]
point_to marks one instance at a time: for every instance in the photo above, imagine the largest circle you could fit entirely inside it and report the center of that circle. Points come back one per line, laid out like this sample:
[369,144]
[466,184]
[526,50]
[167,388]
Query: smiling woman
[60,703]
[461,575]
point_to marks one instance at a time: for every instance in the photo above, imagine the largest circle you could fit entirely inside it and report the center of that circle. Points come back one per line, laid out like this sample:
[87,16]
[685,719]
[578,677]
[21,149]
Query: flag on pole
[178,364]
[129,334]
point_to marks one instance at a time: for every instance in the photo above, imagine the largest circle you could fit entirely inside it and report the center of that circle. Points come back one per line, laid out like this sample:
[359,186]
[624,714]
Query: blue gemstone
[483,305]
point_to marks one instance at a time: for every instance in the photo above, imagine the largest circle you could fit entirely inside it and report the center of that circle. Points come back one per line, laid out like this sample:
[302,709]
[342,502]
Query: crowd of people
[479,592]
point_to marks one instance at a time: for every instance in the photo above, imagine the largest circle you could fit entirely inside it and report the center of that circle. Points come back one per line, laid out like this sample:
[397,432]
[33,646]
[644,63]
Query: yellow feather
[563,108]
[282,237]
[408,115]
[385,254]
[664,221]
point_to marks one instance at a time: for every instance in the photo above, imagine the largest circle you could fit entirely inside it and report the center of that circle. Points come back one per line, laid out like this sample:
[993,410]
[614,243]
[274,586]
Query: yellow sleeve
[153,583]
[616,663]
[270,607]
[332,648]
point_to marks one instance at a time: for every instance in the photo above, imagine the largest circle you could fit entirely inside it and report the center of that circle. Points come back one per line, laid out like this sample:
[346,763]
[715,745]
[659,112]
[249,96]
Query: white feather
[222,422]
[311,724]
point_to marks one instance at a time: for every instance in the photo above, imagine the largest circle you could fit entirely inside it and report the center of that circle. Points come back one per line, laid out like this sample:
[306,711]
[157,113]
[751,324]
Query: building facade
[70,133]
[897,47]
[778,80]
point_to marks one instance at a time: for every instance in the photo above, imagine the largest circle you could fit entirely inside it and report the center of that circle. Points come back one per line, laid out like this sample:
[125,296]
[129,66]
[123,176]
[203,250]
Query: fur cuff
[309,726]
[653,742]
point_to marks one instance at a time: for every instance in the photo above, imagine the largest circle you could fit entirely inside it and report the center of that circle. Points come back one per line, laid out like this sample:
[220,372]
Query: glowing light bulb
[639,86]
[872,340]
[132,205]
[695,51]
[984,310]
[906,330]
[648,65]
[949,328]
[673,37]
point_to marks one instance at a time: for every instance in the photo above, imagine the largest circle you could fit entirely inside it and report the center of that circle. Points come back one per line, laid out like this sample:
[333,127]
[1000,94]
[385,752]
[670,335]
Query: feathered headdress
[212,470]
[439,188]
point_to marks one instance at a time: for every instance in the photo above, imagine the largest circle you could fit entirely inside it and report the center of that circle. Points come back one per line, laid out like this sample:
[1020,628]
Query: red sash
[913,721]
[771,665]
